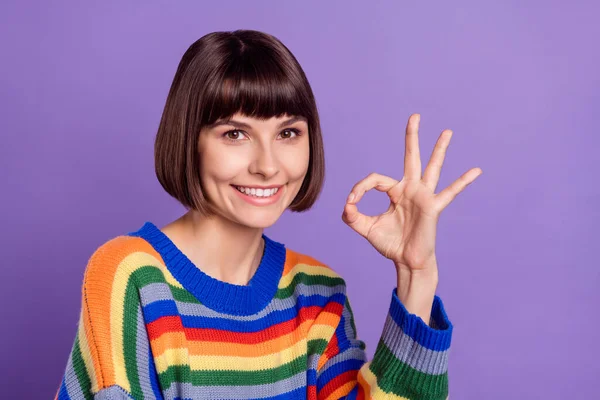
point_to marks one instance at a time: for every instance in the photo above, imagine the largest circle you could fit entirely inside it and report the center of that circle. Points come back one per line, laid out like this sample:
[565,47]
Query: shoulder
[307,264]
[305,269]
[118,258]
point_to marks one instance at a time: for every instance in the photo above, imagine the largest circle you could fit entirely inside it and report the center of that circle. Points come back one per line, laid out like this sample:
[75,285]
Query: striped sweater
[154,326]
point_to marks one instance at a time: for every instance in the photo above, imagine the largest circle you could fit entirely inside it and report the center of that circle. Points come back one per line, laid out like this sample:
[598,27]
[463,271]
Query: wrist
[427,275]
[416,289]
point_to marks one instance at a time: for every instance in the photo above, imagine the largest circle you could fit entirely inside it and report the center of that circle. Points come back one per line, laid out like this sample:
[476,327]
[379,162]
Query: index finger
[374,180]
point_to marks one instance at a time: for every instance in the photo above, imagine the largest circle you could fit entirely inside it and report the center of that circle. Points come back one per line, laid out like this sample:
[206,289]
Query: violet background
[82,87]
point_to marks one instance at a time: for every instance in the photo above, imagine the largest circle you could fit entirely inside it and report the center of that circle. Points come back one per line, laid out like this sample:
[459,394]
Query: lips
[274,194]
[257,192]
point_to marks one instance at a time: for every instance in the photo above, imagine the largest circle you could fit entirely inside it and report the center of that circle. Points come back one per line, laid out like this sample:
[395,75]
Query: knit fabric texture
[154,326]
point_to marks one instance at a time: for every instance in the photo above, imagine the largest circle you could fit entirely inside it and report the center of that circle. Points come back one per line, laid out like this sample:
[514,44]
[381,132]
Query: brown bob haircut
[220,74]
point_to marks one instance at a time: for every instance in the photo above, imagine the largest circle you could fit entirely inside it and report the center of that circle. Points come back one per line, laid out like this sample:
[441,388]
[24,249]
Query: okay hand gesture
[406,232]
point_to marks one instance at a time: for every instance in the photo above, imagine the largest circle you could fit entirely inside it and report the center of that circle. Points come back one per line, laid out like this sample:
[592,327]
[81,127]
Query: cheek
[220,165]
[296,162]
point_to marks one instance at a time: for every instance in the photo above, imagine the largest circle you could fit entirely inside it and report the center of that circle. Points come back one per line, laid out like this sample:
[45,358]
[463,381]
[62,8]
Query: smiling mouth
[258,193]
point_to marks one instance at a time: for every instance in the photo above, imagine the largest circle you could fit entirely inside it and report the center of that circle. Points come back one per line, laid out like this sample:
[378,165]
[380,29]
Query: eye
[290,133]
[233,135]
[236,135]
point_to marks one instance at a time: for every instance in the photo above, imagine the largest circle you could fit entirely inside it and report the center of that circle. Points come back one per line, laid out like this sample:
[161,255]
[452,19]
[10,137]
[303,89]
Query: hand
[405,233]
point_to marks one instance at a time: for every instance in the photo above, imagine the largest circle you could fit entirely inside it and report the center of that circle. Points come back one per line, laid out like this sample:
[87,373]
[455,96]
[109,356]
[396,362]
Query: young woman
[208,307]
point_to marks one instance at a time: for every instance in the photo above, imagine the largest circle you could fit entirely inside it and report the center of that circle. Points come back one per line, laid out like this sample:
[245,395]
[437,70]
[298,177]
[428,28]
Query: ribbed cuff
[411,359]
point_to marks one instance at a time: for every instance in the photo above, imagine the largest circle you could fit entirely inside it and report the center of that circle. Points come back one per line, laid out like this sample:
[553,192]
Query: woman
[208,307]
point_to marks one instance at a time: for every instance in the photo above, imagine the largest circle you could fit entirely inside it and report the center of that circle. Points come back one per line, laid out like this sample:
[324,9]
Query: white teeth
[257,192]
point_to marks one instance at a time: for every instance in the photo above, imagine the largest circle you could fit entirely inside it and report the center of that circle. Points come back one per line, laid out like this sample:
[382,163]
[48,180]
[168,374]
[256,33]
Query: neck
[221,248]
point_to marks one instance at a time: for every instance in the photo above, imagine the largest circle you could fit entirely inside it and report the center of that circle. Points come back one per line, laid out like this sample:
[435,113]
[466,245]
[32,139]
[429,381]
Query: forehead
[245,121]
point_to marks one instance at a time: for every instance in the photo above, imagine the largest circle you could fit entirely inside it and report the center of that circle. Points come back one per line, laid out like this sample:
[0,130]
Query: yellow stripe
[181,356]
[321,330]
[86,353]
[376,392]
[128,266]
[307,269]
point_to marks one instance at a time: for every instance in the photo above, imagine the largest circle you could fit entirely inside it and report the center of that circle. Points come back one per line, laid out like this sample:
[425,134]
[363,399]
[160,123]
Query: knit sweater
[154,326]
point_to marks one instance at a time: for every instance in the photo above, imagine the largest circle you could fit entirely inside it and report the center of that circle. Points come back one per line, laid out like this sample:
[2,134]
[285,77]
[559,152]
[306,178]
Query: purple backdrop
[83,87]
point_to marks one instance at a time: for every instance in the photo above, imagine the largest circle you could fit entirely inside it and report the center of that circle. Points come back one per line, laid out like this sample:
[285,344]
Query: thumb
[354,219]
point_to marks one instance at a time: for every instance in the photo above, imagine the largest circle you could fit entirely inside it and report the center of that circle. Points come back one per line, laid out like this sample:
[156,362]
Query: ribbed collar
[218,295]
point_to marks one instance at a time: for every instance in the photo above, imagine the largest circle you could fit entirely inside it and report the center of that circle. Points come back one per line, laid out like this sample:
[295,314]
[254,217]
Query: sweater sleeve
[111,356]
[410,361]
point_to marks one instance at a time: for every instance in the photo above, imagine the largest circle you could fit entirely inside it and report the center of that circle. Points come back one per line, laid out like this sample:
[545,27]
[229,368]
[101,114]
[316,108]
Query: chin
[257,219]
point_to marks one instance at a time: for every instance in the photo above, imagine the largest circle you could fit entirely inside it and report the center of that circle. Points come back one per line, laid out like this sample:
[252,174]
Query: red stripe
[336,382]
[361,393]
[332,347]
[311,392]
[173,324]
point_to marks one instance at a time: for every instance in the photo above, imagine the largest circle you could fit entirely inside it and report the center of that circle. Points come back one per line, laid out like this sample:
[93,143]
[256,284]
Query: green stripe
[130,308]
[316,346]
[307,279]
[79,366]
[150,274]
[400,378]
[183,295]
[182,373]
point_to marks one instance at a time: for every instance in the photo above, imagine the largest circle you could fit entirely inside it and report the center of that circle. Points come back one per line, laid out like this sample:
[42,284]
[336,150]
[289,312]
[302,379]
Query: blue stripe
[163,308]
[63,394]
[153,376]
[340,331]
[352,395]
[414,326]
[332,371]
[311,377]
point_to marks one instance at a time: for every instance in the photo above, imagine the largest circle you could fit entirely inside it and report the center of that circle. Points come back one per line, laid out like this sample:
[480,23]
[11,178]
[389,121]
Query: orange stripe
[339,386]
[290,261]
[365,388]
[342,391]
[97,287]
[173,340]
[293,258]
[231,343]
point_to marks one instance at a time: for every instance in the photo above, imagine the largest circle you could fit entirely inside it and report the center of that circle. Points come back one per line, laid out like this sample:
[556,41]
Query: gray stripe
[411,352]
[141,352]
[161,291]
[351,353]
[313,361]
[400,344]
[186,390]
[347,325]
[71,382]
[112,393]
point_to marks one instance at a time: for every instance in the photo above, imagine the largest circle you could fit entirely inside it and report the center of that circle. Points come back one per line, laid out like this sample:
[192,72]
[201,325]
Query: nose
[265,162]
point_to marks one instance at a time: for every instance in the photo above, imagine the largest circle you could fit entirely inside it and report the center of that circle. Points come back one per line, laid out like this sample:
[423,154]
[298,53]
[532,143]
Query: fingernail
[350,197]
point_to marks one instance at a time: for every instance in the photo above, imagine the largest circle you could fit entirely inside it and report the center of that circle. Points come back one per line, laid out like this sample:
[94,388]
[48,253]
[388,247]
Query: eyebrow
[239,124]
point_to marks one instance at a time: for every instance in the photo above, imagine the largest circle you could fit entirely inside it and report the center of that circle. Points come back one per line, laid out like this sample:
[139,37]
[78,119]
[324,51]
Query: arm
[410,362]
[110,357]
